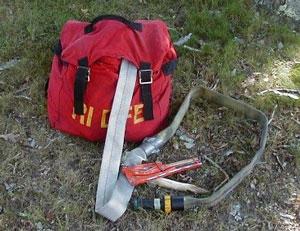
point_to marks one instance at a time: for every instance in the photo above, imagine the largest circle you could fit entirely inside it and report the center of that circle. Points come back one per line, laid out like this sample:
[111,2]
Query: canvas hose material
[112,152]
[237,106]
[117,200]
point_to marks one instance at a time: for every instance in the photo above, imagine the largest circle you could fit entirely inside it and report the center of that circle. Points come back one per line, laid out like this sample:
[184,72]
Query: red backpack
[85,71]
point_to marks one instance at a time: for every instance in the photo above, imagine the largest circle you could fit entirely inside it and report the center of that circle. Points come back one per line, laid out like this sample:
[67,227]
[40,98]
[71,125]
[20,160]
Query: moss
[295,151]
[295,75]
[268,102]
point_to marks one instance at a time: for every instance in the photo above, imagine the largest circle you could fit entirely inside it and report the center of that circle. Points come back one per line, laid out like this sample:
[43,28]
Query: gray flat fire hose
[123,190]
[112,152]
[244,110]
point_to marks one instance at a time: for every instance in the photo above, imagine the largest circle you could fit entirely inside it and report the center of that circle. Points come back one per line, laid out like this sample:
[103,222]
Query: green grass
[295,75]
[233,32]
[56,185]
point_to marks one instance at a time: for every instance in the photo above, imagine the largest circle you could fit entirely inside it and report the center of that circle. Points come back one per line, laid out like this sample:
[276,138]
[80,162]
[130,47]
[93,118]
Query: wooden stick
[179,186]
[273,113]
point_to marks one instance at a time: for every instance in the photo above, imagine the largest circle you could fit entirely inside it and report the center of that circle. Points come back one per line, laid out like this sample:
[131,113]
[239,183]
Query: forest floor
[48,179]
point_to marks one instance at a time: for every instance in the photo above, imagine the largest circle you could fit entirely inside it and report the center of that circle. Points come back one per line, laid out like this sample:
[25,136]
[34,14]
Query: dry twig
[23,97]
[278,161]
[191,48]
[292,93]
[296,121]
[179,186]
[221,169]
[215,84]
[273,113]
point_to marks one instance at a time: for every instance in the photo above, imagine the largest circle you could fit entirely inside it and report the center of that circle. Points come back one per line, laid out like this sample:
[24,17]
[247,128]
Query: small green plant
[295,75]
[295,151]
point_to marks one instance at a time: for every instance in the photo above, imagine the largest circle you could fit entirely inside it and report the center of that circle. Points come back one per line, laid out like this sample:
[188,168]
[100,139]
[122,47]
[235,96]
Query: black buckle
[150,71]
[88,71]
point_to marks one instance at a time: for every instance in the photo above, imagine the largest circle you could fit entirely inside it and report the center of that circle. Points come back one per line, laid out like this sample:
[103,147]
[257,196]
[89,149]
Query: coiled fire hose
[153,144]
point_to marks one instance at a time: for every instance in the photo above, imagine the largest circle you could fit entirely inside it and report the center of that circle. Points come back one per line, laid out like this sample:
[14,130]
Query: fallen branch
[292,93]
[179,186]
[221,169]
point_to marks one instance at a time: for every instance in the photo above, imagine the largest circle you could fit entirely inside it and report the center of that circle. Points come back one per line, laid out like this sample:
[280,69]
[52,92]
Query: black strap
[82,78]
[57,48]
[145,79]
[133,25]
[169,67]
[46,88]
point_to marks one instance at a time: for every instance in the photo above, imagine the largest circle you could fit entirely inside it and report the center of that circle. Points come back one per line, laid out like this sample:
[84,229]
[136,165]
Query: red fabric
[105,47]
